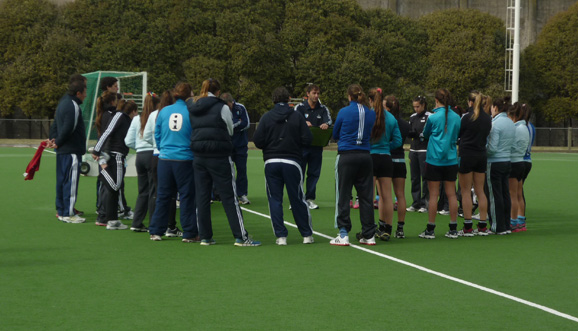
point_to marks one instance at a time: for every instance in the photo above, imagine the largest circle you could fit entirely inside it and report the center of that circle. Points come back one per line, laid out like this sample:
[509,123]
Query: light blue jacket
[521,142]
[173,132]
[442,145]
[133,138]
[532,132]
[391,138]
[501,139]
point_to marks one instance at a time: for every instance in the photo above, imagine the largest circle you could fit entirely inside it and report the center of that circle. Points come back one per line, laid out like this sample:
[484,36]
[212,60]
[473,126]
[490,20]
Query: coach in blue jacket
[316,115]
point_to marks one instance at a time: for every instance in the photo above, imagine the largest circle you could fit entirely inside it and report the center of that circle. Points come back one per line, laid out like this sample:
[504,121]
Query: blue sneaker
[207,242]
[248,242]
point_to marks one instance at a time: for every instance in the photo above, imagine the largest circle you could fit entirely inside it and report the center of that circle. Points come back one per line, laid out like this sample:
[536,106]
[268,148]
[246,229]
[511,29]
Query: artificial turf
[80,276]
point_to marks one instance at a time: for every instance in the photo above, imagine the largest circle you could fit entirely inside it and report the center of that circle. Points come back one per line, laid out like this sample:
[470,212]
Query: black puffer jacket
[210,136]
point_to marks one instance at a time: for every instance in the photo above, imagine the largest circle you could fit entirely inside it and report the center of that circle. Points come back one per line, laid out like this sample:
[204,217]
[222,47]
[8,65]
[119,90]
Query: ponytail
[209,85]
[376,100]
[150,104]
[477,106]
[443,96]
[106,99]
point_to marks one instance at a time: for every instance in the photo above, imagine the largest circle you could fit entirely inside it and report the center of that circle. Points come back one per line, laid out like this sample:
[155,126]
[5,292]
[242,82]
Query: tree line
[253,47]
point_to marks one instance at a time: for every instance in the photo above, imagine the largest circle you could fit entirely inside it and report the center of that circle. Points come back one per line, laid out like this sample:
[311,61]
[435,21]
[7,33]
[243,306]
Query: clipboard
[321,137]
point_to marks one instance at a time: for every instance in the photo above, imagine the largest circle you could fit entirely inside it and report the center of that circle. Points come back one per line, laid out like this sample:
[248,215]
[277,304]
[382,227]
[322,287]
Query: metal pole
[516,64]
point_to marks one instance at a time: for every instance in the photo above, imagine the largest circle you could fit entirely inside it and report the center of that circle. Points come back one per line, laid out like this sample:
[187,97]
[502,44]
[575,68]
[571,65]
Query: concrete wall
[534,13]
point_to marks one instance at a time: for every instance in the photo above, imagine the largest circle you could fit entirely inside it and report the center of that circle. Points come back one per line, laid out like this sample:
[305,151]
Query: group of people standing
[188,148]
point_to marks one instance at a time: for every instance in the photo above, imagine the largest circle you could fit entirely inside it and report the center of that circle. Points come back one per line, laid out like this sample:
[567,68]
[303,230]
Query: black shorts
[441,173]
[527,169]
[399,169]
[473,163]
[517,170]
[382,165]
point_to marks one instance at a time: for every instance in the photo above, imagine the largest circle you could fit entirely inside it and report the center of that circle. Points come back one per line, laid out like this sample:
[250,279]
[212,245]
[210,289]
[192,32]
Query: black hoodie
[282,133]
[210,137]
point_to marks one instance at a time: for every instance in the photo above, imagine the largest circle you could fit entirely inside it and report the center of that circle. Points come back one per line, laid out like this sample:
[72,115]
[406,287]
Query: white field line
[53,152]
[439,274]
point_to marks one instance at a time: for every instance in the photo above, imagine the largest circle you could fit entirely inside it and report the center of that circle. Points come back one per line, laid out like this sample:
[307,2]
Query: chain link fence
[40,128]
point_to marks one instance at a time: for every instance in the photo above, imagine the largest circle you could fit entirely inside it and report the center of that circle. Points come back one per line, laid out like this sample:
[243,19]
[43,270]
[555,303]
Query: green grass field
[80,276]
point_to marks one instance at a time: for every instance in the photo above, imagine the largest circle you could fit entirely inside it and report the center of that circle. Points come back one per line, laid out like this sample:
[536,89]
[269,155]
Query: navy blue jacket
[240,125]
[68,128]
[282,133]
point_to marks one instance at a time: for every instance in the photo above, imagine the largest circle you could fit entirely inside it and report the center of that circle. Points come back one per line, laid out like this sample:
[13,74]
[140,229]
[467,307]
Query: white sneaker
[308,240]
[116,225]
[476,217]
[444,212]
[312,205]
[338,241]
[411,209]
[422,210]
[244,200]
[128,215]
[155,237]
[281,241]
[72,219]
[369,242]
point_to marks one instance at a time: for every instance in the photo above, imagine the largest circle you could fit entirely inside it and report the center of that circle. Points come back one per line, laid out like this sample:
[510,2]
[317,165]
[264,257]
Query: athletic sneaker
[452,234]
[350,204]
[311,204]
[308,240]
[376,204]
[73,219]
[411,209]
[356,204]
[78,212]
[244,200]
[338,241]
[482,232]
[281,241]
[127,215]
[208,242]
[476,217]
[116,225]
[155,237]
[173,233]
[191,240]
[466,232]
[139,229]
[399,234]
[422,210]
[369,242]
[382,234]
[249,242]
[522,227]
[444,212]
[427,234]
[99,223]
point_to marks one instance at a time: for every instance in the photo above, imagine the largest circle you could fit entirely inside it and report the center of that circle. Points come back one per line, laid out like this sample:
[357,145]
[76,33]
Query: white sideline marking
[46,150]
[439,274]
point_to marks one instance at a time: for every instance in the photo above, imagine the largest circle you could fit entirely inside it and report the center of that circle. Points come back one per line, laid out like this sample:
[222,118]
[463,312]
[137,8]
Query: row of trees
[250,46]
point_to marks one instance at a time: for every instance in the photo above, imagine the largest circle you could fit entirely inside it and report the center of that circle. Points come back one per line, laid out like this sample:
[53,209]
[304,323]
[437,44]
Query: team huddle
[192,150]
